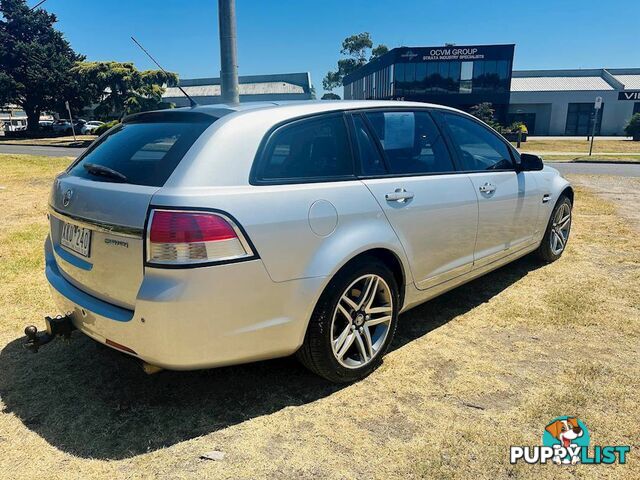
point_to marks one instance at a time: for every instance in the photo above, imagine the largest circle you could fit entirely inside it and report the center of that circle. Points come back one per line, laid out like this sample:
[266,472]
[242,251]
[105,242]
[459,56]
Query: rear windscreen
[144,151]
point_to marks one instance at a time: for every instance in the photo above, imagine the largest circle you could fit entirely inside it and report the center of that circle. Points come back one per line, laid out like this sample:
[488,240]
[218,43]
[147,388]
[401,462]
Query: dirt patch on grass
[471,373]
[622,192]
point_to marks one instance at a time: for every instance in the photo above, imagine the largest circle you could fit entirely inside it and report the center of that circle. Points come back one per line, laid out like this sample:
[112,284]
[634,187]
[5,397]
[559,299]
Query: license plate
[76,238]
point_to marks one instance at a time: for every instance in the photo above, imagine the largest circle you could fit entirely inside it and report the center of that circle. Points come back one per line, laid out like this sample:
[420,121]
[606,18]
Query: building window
[441,77]
[490,75]
[636,108]
[399,79]
[454,77]
[429,81]
[504,68]
[580,118]
[421,78]
[466,76]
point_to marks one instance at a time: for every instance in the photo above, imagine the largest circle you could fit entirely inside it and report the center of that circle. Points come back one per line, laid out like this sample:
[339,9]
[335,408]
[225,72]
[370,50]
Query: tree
[358,50]
[633,127]
[120,88]
[35,60]
[330,96]
[484,111]
[379,51]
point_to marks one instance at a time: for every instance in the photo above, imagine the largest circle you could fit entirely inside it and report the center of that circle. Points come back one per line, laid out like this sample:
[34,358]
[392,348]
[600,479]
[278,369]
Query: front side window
[308,150]
[411,142]
[478,147]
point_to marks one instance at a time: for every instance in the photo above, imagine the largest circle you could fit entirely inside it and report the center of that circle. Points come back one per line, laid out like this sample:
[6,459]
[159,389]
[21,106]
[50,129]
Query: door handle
[399,195]
[487,188]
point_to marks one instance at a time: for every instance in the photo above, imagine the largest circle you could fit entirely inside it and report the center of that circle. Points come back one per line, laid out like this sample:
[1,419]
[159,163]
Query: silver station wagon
[208,236]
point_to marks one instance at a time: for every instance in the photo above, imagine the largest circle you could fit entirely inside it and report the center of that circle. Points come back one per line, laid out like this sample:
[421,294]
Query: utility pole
[596,108]
[230,91]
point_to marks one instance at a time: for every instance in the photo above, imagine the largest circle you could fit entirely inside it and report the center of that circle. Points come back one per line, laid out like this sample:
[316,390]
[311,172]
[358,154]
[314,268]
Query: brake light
[186,237]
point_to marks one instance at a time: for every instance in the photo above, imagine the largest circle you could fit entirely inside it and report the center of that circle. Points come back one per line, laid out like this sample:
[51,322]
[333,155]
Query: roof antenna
[191,100]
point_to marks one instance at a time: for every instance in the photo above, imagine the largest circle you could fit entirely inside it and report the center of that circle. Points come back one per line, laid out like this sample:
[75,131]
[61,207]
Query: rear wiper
[101,170]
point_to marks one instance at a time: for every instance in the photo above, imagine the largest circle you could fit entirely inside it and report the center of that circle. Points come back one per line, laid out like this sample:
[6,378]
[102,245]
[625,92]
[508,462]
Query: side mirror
[530,162]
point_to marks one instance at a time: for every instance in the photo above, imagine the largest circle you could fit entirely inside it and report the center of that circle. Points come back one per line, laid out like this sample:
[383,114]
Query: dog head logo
[571,434]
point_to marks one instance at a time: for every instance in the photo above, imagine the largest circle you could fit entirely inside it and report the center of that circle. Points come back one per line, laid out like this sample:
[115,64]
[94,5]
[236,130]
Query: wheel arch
[388,257]
[568,192]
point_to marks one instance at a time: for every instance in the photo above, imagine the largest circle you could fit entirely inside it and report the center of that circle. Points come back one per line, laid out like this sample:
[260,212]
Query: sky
[300,36]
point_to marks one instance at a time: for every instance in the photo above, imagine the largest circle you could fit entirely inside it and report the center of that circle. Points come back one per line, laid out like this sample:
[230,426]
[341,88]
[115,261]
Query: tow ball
[60,326]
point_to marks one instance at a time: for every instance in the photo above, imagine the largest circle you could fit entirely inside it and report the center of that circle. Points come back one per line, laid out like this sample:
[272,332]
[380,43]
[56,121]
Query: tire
[556,232]
[374,323]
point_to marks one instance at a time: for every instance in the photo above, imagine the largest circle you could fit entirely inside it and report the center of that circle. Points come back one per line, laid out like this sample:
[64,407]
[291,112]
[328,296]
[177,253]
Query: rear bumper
[197,318]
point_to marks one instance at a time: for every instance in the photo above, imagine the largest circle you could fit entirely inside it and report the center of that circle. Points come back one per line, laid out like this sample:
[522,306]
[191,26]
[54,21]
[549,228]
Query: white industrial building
[561,102]
[274,87]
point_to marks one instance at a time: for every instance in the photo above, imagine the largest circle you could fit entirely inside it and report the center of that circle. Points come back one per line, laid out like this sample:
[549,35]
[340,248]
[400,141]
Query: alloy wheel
[560,229]
[361,321]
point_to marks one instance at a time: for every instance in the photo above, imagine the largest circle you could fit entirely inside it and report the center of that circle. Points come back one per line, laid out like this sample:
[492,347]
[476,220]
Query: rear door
[98,207]
[508,201]
[406,165]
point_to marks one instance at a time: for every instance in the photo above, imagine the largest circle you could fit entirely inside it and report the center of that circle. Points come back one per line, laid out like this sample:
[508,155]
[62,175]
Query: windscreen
[143,151]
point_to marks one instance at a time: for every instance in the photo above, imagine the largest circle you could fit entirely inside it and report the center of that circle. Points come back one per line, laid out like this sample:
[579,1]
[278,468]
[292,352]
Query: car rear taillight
[177,237]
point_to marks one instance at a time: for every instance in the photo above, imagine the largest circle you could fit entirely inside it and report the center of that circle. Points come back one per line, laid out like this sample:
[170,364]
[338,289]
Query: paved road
[46,151]
[624,170]
[620,169]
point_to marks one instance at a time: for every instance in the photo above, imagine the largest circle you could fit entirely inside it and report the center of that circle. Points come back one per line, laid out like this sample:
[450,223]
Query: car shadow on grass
[93,402]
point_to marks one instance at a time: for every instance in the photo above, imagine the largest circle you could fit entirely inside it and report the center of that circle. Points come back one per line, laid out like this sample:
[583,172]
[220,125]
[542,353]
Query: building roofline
[302,79]
[607,74]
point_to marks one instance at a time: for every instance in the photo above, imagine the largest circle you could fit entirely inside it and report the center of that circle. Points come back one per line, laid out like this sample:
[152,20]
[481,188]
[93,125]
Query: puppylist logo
[565,441]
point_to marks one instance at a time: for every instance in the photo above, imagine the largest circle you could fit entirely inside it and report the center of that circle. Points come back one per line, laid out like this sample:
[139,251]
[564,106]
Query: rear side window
[411,141]
[317,149]
[478,147]
[142,152]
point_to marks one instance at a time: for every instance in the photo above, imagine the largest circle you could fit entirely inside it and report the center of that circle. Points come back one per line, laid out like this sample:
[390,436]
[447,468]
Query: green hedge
[103,128]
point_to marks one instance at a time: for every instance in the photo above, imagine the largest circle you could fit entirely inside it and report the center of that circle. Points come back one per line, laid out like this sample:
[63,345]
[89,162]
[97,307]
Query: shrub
[633,127]
[516,127]
[484,111]
[103,128]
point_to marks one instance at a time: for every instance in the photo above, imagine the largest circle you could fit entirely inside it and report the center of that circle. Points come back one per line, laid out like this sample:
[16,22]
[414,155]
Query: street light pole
[228,52]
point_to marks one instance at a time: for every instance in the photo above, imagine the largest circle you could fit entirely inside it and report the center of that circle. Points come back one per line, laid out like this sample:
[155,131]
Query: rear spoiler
[177,115]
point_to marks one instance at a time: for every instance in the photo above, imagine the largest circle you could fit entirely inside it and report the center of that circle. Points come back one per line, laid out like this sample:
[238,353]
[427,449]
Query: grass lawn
[53,141]
[580,146]
[471,373]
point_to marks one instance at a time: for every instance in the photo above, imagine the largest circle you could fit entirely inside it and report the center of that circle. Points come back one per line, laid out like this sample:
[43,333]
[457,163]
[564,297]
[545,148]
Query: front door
[406,165]
[508,202]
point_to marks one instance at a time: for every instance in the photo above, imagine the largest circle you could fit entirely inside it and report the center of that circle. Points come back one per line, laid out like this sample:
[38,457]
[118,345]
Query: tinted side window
[411,141]
[370,159]
[478,147]
[309,149]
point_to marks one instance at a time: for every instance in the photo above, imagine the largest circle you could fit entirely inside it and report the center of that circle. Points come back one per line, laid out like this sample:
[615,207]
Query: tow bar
[60,326]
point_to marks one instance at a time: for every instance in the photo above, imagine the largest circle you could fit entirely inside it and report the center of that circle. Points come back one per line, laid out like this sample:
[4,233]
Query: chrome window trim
[103,227]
